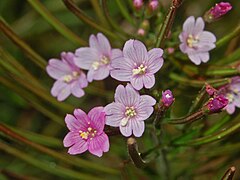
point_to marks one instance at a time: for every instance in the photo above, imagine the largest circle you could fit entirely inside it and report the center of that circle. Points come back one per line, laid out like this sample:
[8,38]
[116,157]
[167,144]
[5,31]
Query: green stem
[223,72]
[65,158]
[81,15]
[33,101]
[227,38]
[211,138]
[124,11]
[230,58]
[55,170]
[198,100]
[60,27]
[38,138]
[36,58]
[110,20]
[197,83]
[167,24]
[217,126]
[99,13]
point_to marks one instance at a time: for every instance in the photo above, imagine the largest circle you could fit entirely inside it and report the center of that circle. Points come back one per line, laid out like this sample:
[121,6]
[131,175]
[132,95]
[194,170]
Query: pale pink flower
[129,111]
[195,42]
[70,78]
[137,65]
[86,132]
[96,58]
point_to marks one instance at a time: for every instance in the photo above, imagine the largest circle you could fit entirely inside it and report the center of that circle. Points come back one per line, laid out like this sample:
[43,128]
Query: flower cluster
[137,66]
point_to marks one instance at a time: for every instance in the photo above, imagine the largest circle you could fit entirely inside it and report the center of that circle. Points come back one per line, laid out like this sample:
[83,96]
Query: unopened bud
[217,103]
[153,5]
[167,98]
[141,32]
[137,4]
[210,90]
[217,11]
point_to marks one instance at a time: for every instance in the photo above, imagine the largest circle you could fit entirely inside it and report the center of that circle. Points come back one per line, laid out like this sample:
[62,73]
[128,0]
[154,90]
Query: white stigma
[124,121]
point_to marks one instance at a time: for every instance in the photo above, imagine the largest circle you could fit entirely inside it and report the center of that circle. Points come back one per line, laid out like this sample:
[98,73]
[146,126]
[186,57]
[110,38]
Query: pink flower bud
[217,11]
[141,32]
[153,5]
[217,103]
[167,98]
[210,90]
[137,4]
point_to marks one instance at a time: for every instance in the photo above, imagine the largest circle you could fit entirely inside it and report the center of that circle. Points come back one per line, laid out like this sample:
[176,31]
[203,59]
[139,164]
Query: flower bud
[210,90]
[141,32]
[137,4]
[167,98]
[153,5]
[217,103]
[217,11]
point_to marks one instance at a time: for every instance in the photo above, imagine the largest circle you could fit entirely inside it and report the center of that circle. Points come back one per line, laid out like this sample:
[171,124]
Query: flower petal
[204,56]
[104,44]
[99,144]
[155,60]
[101,73]
[122,68]
[138,127]
[188,25]
[97,118]
[82,120]
[76,89]
[199,26]
[114,113]
[83,80]
[207,37]
[127,96]
[60,90]
[137,82]
[230,108]
[135,50]
[57,68]
[195,58]
[72,123]
[116,53]
[71,138]
[126,130]
[85,57]
[148,81]
[144,109]
[79,147]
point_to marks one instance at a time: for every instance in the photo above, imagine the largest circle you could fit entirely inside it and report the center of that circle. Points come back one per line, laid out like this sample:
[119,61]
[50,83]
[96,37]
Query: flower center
[139,70]
[68,78]
[192,41]
[103,61]
[90,133]
[129,112]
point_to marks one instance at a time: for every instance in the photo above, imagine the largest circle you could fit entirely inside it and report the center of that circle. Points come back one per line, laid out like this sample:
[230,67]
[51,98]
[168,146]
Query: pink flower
[232,92]
[86,132]
[70,79]
[97,57]
[137,65]
[217,11]
[195,42]
[129,111]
